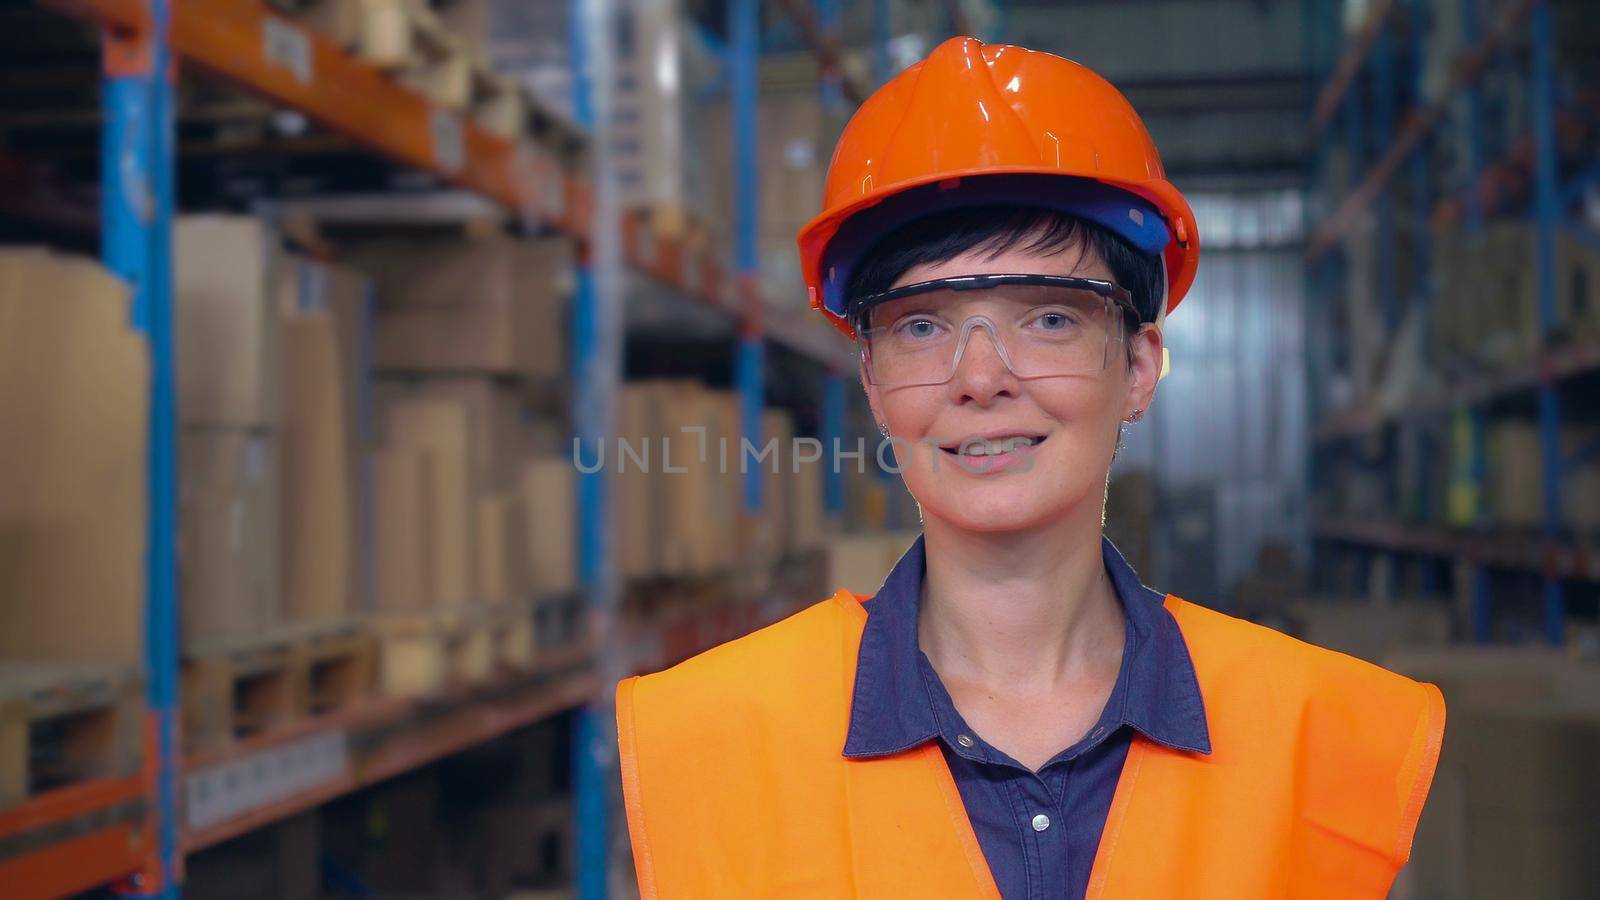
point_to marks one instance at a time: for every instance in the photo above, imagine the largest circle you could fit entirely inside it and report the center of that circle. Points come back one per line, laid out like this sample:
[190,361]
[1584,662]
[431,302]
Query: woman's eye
[1053,321]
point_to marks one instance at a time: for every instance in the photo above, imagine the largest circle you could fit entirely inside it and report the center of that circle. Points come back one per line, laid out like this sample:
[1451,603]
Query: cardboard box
[489,305]
[442,428]
[320,573]
[1511,812]
[860,562]
[74,400]
[502,547]
[770,539]
[230,567]
[1370,630]
[404,564]
[808,519]
[633,463]
[497,437]
[548,491]
[226,282]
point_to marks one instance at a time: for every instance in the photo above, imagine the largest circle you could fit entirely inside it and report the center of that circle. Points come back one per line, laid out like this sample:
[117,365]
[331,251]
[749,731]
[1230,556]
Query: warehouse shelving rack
[125,833]
[1339,107]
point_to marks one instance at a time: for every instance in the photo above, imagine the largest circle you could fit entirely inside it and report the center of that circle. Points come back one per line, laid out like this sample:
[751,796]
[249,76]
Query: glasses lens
[1043,331]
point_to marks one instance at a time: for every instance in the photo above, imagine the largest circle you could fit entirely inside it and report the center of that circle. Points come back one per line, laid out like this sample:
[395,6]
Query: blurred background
[344,345]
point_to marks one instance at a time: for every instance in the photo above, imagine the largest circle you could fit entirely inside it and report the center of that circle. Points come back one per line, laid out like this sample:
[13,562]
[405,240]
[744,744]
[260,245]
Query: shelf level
[245,42]
[1570,560]
[74,839]
[1348,68]
[1552,366]
[1416,126]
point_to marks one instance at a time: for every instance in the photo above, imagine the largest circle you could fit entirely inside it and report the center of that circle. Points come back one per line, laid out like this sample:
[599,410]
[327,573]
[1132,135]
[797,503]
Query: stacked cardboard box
[858,562]
[1370,630]
[457,455]
[74,389]
[1490,282]
[492,305]
[228,276]
[795,131]
[679,469]
[271,391]
[1511,811]
[1514,484]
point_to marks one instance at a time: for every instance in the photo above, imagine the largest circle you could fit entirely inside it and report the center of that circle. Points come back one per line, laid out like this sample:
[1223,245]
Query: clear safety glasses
[1041,326]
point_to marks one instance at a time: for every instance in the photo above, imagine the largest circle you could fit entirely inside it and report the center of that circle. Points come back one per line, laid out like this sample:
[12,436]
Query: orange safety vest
[735,784]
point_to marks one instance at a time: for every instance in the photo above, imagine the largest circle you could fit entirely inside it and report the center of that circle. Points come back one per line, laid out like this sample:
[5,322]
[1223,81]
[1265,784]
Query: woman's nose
[981,374]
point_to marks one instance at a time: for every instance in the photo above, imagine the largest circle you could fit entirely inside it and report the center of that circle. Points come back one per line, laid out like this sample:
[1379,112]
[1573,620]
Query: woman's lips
[994,455]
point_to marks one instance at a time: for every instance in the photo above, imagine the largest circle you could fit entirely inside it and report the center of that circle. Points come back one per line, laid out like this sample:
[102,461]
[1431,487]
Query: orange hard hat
[939,133]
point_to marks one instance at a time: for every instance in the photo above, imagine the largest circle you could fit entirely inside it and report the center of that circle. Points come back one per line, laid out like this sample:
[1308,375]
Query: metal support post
[137,158]
[596,372]
[1547,218]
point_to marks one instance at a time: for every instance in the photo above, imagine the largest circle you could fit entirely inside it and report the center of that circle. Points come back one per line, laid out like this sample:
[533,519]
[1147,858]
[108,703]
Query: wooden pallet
[404,37]
[511,628]
[498,103]
[425,653]
[61,724]
[238,687]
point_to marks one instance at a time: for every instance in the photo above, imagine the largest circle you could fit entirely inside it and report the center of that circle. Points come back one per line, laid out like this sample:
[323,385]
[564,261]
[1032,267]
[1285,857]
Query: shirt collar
[892,710]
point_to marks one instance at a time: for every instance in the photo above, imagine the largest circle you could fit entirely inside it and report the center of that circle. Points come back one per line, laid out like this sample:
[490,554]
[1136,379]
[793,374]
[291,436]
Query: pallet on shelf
[62,724]
[511,629]
[498,103]
[406,38]
[237,687]
[423,653]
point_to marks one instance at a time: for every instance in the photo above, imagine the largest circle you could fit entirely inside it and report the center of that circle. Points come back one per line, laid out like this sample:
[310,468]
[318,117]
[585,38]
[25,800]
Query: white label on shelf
[287,46]
[238,786]
[449,140]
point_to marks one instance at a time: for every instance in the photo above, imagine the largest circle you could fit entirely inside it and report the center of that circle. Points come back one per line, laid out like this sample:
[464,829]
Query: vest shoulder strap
[699,743]
[1354,745]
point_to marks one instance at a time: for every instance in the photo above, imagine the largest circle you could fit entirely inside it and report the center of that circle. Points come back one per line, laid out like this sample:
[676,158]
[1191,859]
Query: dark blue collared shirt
[1039,831]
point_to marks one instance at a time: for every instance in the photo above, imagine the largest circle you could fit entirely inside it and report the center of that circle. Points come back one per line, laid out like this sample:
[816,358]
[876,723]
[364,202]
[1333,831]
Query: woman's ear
[1144,369]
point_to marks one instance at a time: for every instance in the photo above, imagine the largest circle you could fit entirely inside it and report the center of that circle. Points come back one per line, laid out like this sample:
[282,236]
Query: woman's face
[1073,420]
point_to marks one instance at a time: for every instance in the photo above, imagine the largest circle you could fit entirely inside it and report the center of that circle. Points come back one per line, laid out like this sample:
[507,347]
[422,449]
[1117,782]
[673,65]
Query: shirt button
[964,740]
[1041,822]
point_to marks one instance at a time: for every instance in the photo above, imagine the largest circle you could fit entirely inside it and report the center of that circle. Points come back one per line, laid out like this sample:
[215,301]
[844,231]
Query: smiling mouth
[995,447]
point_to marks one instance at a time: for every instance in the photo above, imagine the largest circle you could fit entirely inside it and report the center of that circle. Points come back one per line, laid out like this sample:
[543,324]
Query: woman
[1013,714]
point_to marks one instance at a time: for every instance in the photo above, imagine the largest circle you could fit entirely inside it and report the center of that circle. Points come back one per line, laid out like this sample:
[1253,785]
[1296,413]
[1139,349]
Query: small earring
[1135,416]
[883,429]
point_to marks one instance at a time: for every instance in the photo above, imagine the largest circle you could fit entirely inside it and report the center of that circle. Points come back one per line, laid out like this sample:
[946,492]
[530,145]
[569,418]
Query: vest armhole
[633,801]
[1426,745]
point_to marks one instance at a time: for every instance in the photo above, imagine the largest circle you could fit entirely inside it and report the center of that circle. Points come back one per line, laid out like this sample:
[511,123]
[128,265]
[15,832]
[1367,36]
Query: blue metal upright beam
[1547,219]
[832,432]
[1482,596]
[137,160]
[744,47]
[596,373]
[882,31]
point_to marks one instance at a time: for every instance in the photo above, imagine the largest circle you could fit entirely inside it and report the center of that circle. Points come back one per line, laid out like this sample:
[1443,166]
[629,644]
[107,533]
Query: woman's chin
[992,509]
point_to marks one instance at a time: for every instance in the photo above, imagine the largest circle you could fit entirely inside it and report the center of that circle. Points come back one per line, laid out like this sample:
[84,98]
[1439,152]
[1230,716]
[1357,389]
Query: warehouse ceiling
[1221,84]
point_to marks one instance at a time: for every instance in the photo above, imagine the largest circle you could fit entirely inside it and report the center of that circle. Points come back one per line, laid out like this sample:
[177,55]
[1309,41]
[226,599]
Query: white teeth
[994,448]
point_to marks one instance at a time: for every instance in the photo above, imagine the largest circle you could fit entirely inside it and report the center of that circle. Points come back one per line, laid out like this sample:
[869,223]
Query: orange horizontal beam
[473,720]
[245,42]
[64,804]
[1349,66]
[74,865]
[1419,123]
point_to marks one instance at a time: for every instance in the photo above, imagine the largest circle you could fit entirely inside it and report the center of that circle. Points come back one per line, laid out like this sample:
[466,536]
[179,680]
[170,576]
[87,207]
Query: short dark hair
[996,229]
